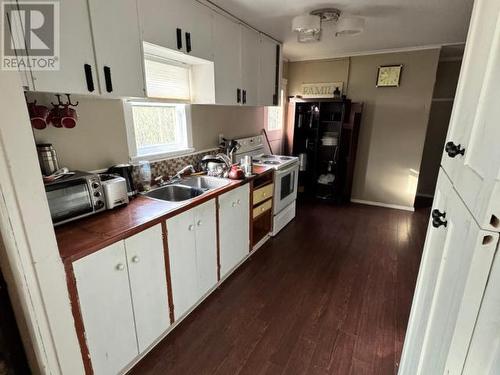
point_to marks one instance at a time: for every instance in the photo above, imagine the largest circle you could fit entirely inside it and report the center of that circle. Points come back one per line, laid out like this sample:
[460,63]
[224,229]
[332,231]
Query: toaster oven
[75,196]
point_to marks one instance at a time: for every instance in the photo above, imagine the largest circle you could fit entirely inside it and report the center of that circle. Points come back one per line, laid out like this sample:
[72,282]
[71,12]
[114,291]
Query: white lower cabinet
[454,270]
[192,246]
[122,293]
[234,228]
[148,285]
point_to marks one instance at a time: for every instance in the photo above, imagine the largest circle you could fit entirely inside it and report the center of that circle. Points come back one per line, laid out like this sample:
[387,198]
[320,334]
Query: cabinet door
[454,269]
[227,49]
[267,73]
[182,252]
[104,294]
[250,52]
[148,284]
[160,20]
[75,51]
[118,47]
[474,121]
[234,227]
[484,352]
[206,247]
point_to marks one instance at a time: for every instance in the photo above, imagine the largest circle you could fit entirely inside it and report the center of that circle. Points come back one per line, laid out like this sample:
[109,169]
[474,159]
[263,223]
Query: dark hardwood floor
[331,294]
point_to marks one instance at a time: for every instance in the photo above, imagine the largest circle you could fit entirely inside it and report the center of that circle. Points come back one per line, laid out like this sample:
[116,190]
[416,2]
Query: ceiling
[389,24]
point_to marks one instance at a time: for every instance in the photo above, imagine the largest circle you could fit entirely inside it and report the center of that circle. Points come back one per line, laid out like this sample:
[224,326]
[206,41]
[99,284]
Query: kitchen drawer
[263,193]
[259,210]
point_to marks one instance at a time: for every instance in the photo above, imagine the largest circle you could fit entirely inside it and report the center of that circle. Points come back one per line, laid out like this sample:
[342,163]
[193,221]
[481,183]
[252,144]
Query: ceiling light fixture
[350,26]
[308,27]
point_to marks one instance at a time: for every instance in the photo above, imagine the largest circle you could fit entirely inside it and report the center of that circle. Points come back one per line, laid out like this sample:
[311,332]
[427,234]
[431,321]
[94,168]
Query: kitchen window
[157,130]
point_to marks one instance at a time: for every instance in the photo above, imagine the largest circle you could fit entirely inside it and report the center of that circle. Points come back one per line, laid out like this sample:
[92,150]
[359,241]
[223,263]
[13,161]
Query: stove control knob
[97,194]
[99,204]
[95,185]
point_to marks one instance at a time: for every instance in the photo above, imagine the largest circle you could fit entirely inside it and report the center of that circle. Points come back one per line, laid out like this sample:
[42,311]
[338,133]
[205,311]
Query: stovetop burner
[268,156]
[270,162]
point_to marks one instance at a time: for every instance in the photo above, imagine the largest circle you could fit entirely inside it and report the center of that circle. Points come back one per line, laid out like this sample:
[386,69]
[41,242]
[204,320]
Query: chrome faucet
[179,174]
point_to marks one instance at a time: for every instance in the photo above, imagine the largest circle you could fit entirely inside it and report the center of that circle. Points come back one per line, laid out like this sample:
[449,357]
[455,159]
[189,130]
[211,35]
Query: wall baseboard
[386,205]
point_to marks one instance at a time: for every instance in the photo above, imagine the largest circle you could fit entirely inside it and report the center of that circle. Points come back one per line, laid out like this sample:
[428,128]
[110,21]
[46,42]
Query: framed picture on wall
[389,75]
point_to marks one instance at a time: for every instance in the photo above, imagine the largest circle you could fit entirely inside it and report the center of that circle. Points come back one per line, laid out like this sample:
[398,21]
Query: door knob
[233,204]
[437,222]
[453,150]
[436,214]
[238,201]
[198,223]
[135,259]
[120,266]
[191,227]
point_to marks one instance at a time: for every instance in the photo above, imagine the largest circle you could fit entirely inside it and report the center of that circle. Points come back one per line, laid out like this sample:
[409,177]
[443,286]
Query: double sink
[187,188]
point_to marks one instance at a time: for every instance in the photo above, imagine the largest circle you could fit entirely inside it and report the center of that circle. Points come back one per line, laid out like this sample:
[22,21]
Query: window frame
[183,113]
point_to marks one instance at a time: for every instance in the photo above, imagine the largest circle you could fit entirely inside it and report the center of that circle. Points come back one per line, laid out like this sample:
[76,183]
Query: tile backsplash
[169,167]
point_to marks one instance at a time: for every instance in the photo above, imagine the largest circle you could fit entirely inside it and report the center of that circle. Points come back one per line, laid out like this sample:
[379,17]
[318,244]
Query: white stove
[275,161]
[285,178]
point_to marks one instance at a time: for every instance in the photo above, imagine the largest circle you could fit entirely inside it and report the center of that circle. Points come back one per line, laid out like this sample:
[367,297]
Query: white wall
[99,139]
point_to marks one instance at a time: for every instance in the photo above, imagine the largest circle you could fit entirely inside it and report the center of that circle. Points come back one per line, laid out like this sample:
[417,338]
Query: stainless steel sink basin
[174,193]
[204,182]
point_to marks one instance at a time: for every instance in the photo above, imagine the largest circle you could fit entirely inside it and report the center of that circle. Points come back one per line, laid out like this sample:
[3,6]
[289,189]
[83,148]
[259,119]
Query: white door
[472,155]
[76,73]
[267,73]
[250,59]
[454,268]
[180,25]
[227,58]
[104,294]
[206,246]
[148,284]
[484,352]
[118,47]
[182,253]
[234,227]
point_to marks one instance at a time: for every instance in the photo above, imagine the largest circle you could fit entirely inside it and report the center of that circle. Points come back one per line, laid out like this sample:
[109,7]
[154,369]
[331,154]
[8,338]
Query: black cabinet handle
[436,214]
[244,97]
[238,95]
[107,79]
[453,150]
[436,223]
[188,42]
[179,38]
[88,77]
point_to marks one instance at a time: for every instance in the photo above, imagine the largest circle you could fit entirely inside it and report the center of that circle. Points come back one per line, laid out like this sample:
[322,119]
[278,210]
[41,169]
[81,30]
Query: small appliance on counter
[74,196]
[125,171]
[115,190]
[47,157]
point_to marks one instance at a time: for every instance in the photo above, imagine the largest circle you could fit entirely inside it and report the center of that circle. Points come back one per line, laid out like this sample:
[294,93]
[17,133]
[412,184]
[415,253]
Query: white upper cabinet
[234,228]
[250,60]
[77,70]
[455,265]
[227,59]
[267,91]
[181,25]
[118,47]
[148,285]
[472,155]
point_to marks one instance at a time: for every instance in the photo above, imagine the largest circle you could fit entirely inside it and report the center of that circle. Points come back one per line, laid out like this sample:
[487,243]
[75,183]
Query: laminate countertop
[85,236]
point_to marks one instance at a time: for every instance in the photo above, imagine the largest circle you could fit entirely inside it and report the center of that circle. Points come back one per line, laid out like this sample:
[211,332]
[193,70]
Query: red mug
[55,116]
[38,115]
[68,117]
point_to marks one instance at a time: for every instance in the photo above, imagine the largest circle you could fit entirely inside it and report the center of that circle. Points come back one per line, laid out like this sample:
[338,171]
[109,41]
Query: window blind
[169,81]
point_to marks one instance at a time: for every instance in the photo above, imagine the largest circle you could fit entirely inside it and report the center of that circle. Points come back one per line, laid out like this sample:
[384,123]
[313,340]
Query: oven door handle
[282,172]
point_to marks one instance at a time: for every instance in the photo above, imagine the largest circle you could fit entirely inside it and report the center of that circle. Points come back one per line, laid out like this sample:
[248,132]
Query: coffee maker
[125,171]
